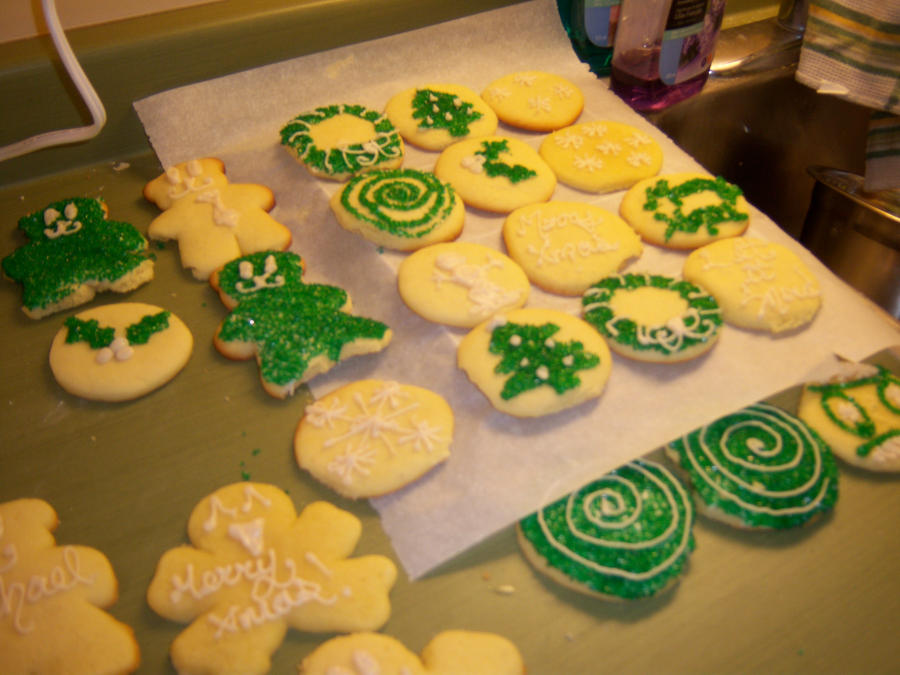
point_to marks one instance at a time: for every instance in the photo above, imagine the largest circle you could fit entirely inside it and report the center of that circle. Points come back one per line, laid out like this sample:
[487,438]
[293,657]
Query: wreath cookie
[685,210]
[624,536]
[653,317]
[534,100]
[341,140]
[760,467]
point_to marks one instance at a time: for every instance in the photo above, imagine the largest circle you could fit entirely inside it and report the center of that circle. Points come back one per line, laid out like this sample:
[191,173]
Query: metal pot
[856,234]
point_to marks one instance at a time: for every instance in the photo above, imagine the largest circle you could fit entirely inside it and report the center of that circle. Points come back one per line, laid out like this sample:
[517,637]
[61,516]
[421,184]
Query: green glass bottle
[591,26]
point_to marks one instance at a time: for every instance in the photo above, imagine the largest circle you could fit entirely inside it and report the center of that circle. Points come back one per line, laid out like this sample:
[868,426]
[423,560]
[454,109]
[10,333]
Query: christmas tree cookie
[73,252]
[294,330]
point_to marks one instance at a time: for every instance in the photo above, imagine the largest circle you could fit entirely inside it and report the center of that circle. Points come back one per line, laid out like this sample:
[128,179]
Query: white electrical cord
[84,86]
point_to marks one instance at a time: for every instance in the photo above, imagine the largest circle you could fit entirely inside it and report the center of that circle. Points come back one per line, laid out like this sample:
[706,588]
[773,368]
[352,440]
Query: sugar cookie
[435,115]
[758,284]
[651,317]
[461,283]
[294,330]
[119,352]
[371,437]
[626,535]
[214,221]
[401,209]
[760,467]
[73,252]
[601,156]
[50,617]
[496,174]
[530,362]
[255,568]
[534,100]
[857,413]
[685,210]
[451,652]
[338,141]
[564,247]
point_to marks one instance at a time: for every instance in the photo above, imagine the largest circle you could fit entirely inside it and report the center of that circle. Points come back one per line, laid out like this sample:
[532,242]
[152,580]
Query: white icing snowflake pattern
[594,129]
[589,163]
[540,104]
[498,93]
[563,91]
[638,139]
[608,148]
[525,79]
[638,159]
[568,140]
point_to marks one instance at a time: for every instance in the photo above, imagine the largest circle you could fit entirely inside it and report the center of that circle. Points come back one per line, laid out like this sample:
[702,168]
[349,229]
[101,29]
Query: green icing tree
[491,151]
[439,110]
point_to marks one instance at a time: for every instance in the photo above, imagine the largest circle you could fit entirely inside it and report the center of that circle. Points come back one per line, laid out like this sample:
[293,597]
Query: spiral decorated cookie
[857,413]
[566,246]
[534,100]
[530,362]
[341,140]
[685,210]
[759,285]
[650,317]
[461,283]
[401,209]
[436,115]
[601,156]
[627,535]
[760,467]
[496,174]
[119,352]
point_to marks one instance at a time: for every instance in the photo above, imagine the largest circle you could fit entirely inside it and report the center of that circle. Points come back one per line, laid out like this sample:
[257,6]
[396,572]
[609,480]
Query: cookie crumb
[120,166]
[505,589]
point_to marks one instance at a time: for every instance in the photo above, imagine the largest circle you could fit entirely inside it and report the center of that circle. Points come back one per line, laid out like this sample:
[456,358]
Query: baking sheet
[501,468]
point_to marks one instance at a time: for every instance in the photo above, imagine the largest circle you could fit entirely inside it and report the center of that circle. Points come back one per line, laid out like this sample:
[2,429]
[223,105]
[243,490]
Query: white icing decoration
[545,225]
[364,663]
[316,562]
[250,535]
[542,372]
[608,148]
[268,279]
[524,79]
[568,140]
[847,412]
[498,93]
[216,507]
[540,104]
[563,90]
[638,139]
[887,452]
[191,183]
[473,163]
[638,159]
[594,129]
[118,349]
[61,226]
[589,163]
[485,296]
[515,340]
[222,215]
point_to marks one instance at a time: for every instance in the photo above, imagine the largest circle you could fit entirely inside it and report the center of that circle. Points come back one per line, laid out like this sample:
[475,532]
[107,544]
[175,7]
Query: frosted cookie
[401,209]
[685,210]
[339,141]
[758,284]
[51,621]
[651,317]
[214,221]
[496,174]
[566,246]
[461,283]
[119,352]
[601,156]
[73,252]
[857,413]
[624,536]
[450,652]
[760,467]
[294,330]
[534,100]
[531,362]
[435,115]
[371,437]
[254,568]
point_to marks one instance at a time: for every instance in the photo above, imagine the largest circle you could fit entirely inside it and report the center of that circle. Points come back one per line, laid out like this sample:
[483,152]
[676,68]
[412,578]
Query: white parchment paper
[501,468]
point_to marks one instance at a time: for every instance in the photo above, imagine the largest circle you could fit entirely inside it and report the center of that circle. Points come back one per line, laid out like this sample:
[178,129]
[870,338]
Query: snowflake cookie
[50,599]
[255,568]
[214,221]
[73,251]
[534,100]
[371,437]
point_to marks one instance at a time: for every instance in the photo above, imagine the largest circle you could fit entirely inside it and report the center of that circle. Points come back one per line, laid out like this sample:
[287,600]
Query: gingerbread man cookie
[50,599]
[214,221]
[73,251]
[255,568]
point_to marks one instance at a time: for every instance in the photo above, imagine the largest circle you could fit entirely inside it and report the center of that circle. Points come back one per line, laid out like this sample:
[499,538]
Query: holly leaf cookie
[73,252]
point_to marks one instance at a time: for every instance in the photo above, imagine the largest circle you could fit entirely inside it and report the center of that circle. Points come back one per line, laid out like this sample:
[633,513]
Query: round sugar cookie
[624,536]
[531,362]
[759,467]
[534,100]
[496,174]
[371,437]
[566,246]
[119,352]
[601,156]
[461,283]
[400,209]
[857,413]
[341,140]
[759,285]
[436,115]
[685,210]
[651,317]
